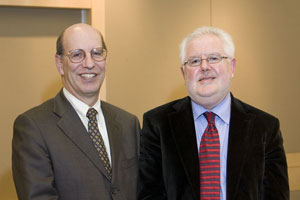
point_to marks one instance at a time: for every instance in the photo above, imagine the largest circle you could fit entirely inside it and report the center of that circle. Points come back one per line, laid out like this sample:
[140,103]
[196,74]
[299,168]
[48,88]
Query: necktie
[97,139]
[209,161]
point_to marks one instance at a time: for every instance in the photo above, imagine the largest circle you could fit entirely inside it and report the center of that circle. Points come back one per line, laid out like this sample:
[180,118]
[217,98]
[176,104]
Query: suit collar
[72,127]
[183,129]
[241,125]
[61,104]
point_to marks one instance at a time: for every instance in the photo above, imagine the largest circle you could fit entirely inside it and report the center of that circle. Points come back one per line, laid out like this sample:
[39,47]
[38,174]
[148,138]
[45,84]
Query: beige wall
[143,66]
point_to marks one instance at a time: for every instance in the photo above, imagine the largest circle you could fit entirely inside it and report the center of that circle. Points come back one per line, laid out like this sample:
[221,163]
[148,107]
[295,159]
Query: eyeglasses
[78,55]
[211,59]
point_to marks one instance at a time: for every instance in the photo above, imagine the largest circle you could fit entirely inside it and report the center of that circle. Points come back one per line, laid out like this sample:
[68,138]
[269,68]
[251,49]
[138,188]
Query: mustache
[206,75]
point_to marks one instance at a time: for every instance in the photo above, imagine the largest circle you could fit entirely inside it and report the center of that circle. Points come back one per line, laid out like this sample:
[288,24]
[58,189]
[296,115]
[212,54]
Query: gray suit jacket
[54,158]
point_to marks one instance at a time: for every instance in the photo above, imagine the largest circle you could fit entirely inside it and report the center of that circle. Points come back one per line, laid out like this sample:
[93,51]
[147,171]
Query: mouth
[206,78]
[91,75]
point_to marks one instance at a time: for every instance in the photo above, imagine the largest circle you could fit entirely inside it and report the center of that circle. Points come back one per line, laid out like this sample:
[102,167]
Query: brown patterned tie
[97,139]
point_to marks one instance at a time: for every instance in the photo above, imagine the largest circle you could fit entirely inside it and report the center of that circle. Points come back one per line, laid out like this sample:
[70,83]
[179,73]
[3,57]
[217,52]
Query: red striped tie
[209,161]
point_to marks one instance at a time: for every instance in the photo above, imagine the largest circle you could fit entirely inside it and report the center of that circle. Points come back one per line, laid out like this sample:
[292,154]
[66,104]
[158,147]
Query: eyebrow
[204,55]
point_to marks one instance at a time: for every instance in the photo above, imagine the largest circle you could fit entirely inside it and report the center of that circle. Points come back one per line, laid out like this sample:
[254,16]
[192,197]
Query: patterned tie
[97,138]
[209,161]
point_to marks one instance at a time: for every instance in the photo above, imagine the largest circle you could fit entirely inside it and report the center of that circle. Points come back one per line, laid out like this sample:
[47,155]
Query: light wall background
[143,66]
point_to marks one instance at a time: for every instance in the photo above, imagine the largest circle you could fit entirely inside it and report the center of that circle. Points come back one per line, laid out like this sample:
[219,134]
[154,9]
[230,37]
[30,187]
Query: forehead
[206,44]
[85,38]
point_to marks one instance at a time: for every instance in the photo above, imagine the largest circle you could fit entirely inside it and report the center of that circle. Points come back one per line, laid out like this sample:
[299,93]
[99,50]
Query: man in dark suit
[59,151]
[210,145]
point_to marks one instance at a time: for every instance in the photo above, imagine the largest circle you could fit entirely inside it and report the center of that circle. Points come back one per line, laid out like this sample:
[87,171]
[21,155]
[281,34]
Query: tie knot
[91,113]
[210,117]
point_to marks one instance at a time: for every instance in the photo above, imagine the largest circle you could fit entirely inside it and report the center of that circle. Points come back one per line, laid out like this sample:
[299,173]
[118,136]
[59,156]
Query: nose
[204,65]
[88,61]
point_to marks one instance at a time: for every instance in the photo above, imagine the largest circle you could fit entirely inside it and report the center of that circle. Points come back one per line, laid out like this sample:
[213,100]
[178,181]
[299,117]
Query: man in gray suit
[58,153]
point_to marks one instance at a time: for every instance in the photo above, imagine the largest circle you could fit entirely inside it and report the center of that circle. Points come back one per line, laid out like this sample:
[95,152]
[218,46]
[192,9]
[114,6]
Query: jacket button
[114,190]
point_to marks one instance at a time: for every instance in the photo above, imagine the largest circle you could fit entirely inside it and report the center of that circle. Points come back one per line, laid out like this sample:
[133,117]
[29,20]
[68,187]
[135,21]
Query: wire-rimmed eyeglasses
[78,55]
[211,59]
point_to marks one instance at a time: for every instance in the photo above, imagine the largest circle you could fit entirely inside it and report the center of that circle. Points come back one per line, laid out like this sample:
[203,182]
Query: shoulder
[108,108]
[168,108]
[40,110]
[259,114]
[36,117]
[53,108]
[115,115]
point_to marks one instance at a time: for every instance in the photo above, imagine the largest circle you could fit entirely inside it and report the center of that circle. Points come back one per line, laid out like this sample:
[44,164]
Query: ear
[106,60]
[182,70]
[59,64]
[232,65]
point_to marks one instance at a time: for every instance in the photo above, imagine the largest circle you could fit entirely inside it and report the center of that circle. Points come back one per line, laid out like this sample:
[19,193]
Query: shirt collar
[222,109]
[80,106]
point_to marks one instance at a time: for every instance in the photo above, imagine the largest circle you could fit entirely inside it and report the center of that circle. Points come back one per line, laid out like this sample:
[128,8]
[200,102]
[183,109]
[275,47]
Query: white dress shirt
[81,108]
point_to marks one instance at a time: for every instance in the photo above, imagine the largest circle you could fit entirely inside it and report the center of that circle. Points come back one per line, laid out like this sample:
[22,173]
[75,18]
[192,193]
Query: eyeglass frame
[207,60]
[102,49]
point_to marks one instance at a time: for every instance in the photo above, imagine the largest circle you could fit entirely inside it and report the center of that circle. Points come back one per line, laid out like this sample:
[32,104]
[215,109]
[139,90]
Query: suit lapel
[238,145]
[73,128]
[114,134]
[183,129]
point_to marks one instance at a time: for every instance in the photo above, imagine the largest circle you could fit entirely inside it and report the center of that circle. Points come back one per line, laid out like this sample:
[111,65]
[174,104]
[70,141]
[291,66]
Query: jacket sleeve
[276,185]
[31,162]
[151,185]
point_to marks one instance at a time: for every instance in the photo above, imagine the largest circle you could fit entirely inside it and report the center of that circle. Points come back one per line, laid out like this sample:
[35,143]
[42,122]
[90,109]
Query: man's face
[208,84]
[85,78]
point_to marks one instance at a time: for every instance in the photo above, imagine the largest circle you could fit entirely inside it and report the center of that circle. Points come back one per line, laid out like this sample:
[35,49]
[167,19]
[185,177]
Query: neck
[89,100]
[209,102]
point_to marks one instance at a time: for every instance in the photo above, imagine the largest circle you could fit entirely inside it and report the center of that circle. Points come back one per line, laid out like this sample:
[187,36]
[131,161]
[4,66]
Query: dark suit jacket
[54,158]
[169,165]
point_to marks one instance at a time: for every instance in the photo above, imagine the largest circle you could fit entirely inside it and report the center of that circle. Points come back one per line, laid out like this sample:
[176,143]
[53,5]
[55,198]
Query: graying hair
[208,30]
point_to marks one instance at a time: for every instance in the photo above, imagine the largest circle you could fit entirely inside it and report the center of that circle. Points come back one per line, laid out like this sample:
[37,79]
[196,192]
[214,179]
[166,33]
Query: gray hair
[208,30]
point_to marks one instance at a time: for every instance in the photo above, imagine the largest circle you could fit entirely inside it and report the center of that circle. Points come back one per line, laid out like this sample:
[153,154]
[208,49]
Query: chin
[90,91]
[206,93]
